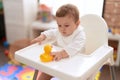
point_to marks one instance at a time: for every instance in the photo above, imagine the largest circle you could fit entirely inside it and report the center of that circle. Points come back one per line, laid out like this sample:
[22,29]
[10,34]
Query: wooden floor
[105,71]
[3,57]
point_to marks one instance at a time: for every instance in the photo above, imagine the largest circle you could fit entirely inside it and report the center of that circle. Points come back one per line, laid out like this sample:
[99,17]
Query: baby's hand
[59,55]
[39,39]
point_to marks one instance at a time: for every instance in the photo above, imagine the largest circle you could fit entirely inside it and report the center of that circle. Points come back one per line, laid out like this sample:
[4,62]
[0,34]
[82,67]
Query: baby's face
[66,25]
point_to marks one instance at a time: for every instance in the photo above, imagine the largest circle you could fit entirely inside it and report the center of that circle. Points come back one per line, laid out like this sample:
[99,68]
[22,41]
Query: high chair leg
[35,75]
[112,73]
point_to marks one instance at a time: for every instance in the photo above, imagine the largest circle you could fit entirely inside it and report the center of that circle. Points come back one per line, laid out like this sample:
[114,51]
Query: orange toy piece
[46,56]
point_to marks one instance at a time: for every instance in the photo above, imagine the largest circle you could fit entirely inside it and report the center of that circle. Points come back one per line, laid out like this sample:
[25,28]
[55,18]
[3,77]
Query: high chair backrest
[96,32]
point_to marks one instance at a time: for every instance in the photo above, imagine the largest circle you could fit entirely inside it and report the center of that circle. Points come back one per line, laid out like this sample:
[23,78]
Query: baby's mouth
[64,32]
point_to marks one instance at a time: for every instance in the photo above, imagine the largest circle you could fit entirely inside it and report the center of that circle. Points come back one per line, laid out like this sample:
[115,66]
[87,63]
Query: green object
[1,6]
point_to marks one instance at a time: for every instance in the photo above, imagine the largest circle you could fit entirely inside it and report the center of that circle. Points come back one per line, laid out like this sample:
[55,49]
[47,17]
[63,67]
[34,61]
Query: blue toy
[5,44]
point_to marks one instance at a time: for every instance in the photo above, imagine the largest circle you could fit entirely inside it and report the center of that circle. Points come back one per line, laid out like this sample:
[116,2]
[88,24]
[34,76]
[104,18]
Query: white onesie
[72,44]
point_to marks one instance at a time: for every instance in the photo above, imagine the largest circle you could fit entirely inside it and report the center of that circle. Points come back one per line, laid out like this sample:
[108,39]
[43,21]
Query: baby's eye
[66,25]
[59,25]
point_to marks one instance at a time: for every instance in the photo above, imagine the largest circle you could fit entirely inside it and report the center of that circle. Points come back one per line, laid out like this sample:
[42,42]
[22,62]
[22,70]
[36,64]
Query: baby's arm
[49,35]
[60,55]
[39,39]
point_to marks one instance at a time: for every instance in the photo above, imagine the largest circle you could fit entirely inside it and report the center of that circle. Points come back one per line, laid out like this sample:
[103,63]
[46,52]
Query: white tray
[79,67]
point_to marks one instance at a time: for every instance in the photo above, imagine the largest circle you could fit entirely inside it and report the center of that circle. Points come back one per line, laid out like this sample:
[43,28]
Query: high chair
[82,66]
[101,33]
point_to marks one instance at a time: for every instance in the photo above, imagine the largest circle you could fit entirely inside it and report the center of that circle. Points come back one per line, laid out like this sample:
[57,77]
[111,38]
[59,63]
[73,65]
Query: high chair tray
[78,67]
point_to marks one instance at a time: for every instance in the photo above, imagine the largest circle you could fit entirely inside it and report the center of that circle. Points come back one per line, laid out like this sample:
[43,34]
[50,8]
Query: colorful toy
[115,55]
[44,13]
[5,44]
[6,52]
[46,56]
[97,77]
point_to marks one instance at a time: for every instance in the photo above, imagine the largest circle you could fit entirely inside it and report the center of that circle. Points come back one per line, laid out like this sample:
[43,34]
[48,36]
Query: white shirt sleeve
[50,34]
[77,45]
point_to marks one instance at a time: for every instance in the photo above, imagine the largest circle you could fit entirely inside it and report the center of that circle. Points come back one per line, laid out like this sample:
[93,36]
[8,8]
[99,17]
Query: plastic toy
[44,13]
[98,76]
[5,44]
[6,52]
[46,56]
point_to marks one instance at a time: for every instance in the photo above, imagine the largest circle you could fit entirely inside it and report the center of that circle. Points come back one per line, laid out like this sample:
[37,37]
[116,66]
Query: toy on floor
[46,56]
[5,44]
[6,52]
[97,77]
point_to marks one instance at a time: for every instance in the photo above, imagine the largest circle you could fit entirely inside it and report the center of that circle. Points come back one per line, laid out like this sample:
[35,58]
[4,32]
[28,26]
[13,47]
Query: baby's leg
[44,76]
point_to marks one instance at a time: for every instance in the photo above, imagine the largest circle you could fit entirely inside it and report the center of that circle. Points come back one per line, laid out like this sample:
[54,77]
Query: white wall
[19,14]
[85,6]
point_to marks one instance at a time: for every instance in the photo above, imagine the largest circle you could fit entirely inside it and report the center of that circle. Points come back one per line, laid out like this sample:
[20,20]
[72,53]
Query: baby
[69,35]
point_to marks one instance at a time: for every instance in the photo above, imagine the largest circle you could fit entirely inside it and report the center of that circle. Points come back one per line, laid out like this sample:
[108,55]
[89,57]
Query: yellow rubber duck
[46,56]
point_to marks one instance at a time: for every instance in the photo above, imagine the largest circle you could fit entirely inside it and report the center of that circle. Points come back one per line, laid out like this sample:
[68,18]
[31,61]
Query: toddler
[69,35]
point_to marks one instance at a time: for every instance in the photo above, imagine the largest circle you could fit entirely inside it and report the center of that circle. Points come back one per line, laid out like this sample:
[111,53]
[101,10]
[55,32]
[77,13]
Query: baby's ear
[78,22]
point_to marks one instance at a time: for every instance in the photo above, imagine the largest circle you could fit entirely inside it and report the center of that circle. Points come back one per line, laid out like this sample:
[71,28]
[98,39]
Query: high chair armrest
[104,49]
[79,67]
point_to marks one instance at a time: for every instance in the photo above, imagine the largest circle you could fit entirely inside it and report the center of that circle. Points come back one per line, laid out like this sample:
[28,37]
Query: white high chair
[81,66]
[96,31]
[97,36]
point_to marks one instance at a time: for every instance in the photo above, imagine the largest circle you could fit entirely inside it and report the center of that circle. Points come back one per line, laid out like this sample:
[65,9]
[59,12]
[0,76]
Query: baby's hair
[68,9]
